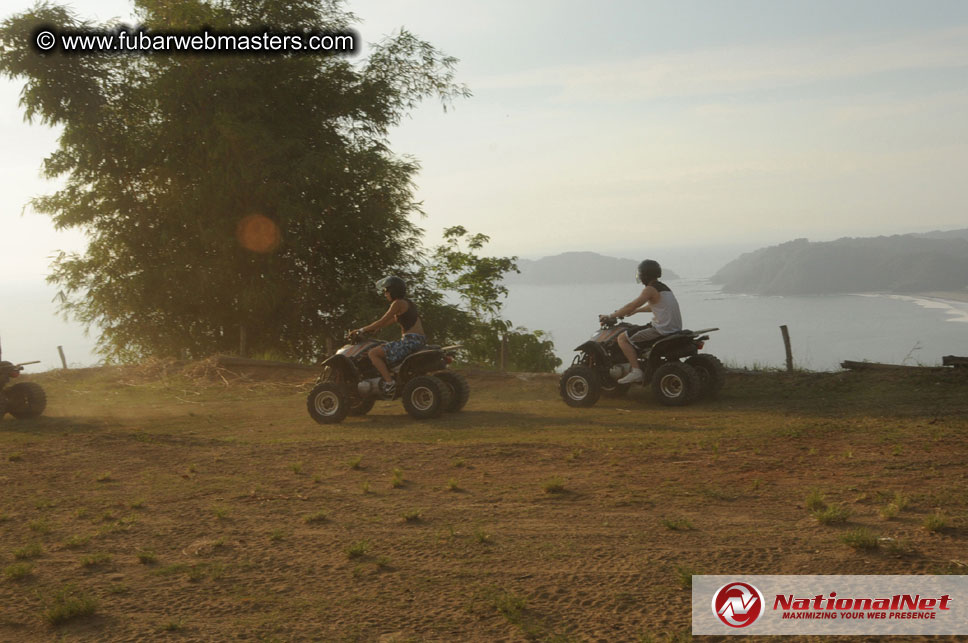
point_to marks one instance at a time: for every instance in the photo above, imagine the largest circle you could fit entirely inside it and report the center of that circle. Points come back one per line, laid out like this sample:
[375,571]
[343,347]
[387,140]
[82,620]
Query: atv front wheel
[327,404]
[25,400]
[459,388]
[711,372]
[676,384]
[580,386]
[362,407]
[425,397]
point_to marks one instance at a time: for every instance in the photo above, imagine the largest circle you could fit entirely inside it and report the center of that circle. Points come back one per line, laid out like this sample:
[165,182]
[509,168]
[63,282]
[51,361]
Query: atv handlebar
[607,321]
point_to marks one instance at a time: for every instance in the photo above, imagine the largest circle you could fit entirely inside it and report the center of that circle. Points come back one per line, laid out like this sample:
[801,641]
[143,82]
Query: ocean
[824,330]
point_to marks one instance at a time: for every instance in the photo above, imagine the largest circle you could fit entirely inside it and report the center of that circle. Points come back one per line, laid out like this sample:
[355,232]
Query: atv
[350,385]
[601,363]
[22,400]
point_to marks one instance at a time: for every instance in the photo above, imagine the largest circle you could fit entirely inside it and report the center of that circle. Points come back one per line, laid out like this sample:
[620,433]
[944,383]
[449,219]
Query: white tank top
[666,317]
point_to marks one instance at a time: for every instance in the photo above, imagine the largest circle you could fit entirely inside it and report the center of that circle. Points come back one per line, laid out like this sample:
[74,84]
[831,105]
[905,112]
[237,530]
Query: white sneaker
[635,375]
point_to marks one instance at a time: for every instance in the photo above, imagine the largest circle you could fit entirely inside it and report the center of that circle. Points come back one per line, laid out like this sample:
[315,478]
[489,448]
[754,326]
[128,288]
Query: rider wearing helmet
[666,318]
[401,311]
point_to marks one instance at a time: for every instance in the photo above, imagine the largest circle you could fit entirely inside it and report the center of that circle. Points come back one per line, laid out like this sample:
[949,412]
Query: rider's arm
[398,307]
[634,306]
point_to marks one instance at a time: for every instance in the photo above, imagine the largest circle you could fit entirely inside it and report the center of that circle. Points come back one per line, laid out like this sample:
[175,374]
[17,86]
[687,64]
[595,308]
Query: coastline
[954,295]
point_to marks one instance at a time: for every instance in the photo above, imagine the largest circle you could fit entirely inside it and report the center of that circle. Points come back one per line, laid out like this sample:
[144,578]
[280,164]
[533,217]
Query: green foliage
[477,281]
[164,159]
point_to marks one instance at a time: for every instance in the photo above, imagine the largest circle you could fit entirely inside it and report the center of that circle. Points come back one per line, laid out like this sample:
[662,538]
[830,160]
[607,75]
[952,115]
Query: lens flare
[258,233]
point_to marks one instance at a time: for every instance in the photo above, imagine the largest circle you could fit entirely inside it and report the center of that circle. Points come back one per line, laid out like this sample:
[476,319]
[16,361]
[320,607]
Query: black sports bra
[409,318]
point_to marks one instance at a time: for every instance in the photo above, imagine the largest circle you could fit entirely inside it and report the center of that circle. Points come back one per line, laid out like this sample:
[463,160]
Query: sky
[638,128]
[634,128]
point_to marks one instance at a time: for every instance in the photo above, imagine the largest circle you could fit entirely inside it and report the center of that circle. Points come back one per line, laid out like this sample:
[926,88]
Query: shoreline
[954,296]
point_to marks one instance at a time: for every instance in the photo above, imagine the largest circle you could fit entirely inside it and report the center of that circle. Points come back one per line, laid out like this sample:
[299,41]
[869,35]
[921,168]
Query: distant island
[577,268]
[911,263]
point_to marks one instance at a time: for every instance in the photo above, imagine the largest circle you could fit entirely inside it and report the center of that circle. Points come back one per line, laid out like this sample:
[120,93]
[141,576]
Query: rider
[401,311]
[666,318]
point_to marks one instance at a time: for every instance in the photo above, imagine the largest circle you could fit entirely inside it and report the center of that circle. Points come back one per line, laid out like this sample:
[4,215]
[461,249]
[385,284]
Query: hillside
[578,268]
[901,263]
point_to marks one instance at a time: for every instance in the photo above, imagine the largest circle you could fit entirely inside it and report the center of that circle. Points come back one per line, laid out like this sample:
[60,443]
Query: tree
[226,196]
[477,281]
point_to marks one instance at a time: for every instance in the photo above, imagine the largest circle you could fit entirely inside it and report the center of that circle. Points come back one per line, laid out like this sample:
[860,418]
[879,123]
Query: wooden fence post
[60,349]
[789,351]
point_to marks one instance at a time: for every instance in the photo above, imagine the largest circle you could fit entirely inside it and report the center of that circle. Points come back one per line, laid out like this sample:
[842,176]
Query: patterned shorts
[399,349]
[645,336]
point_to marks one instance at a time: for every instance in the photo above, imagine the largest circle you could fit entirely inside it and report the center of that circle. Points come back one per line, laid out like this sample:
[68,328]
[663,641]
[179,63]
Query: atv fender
[425,361]
[344,366]
[595,351]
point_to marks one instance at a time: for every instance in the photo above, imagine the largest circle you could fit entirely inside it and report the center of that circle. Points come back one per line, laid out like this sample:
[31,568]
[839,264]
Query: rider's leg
[635,375]
[379,358]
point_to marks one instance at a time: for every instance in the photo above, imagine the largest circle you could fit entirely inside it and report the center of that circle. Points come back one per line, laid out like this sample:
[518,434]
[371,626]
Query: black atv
[601,363]
[349,383]
[22,400]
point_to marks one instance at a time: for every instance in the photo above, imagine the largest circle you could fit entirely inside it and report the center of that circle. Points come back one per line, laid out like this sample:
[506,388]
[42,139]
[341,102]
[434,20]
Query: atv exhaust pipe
[619,371]
[369,387]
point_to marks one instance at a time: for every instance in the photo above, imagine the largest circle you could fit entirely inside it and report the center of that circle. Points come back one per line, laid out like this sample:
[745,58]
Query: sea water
[824,330]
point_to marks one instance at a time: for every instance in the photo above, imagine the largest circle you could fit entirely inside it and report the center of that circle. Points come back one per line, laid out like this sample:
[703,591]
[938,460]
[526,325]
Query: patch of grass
[138,504]
[719,494]
[684,574]
[297,468]
[68,604]
[16,457]
[95,560]
[354,462]
[276,535]
[147,557]
[458,463]
[76,541]
[82,513]
[104,477]
[382,562]
[574,455]
[174,625]
[482,536]
[832,515]
[220,512]
[815,501]
[357,549]
[18,571]
[677,524]
[861,538]
[365,487]
[935,522]
[453,485]
[397,480]
[554,484]
[318,517]
[412,516]
[33,550]
[40,526]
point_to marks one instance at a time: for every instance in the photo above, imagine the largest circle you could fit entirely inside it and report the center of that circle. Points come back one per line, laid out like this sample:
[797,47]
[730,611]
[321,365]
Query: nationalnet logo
[830,605]
[738,604]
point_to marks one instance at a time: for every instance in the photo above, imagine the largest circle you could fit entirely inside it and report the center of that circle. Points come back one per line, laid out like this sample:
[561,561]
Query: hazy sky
[635,127]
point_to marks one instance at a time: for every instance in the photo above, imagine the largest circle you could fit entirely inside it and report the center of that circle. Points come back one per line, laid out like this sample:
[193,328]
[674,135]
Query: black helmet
[649,270]
[395,285]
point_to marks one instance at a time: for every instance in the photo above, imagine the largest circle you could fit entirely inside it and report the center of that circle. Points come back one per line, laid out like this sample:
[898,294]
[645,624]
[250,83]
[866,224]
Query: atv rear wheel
[580,386]
[327,403]
[425,397]
[711,372]
[25,400]
[676,384]
[459,388]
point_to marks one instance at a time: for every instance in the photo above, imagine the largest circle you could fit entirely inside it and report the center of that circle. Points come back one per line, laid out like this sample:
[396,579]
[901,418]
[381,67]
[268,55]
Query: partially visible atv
[349,383]
[22,400]
[601,363]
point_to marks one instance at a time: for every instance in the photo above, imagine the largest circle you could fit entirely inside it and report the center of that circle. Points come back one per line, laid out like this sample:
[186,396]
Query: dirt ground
[172,507]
